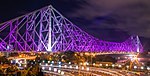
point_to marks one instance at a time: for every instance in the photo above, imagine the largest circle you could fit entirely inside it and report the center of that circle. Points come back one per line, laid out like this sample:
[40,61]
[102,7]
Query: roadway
[72,70]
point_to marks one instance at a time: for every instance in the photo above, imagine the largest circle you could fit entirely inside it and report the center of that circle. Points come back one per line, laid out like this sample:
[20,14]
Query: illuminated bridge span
[47,30]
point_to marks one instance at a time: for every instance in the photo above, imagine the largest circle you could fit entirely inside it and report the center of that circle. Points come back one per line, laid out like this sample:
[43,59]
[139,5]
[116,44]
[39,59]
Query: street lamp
[100,64]
[87,63]
[84,63]
[20,61]
[59,66]
[65,66]
[82,68]
[52,62]
[48,61]
[70,66]
[59,71]
[55,69]
[127,66]
[142,67]
[77,67]
[148,68]
[106,64]
[120,66]
[50,68]
[19,65]
[113,65]
[87,68]
[93,64]
[11,61]
[69,62]
[43,68]
[59,62]
[62,73]
[135,67]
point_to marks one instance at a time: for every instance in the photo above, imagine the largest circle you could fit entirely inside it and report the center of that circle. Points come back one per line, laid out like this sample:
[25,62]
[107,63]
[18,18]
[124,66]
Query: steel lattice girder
[47,30]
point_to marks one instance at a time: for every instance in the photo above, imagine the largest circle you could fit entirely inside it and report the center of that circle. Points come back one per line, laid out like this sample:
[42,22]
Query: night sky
[111,20]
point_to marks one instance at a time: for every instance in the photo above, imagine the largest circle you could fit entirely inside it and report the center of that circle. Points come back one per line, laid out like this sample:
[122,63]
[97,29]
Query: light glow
[50,69]
[106,64]
[52,62]
[135,67]
[120,66]
[94,64]
[65,66]
[77,67]
[62,73]
[148,68]
[55,69]
[142,67]
[87,68]
[82,68]
[48,61]
[11,61]
[21,61]
[59,71]
[43,68]
[59,66]
[19,65]
[127,66]
[113,65]
[70,66]
[59,62]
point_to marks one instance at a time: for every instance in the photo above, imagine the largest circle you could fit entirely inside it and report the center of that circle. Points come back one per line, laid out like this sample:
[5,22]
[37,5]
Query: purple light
[47,30]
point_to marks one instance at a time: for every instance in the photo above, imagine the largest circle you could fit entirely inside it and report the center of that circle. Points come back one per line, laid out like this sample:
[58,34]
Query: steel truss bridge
[47,30]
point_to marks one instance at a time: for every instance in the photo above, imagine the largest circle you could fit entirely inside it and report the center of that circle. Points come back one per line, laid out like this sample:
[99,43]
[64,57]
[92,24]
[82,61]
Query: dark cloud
[128,15]
[10,9]
[94,8]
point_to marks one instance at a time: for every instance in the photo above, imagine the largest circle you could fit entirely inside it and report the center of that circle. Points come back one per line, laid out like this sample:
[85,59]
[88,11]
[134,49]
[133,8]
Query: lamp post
[79,70]
[148,68]
[92,55]
[100,65]
[127,67]
[120,66]
[135,67]
[142,67]
[91,59]
[113,65]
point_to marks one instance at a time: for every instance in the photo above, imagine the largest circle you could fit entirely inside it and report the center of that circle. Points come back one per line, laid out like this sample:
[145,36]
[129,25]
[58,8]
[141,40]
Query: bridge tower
[136,43]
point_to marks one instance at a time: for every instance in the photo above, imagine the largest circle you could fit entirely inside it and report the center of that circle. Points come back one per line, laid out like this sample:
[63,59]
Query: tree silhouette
[105,58]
